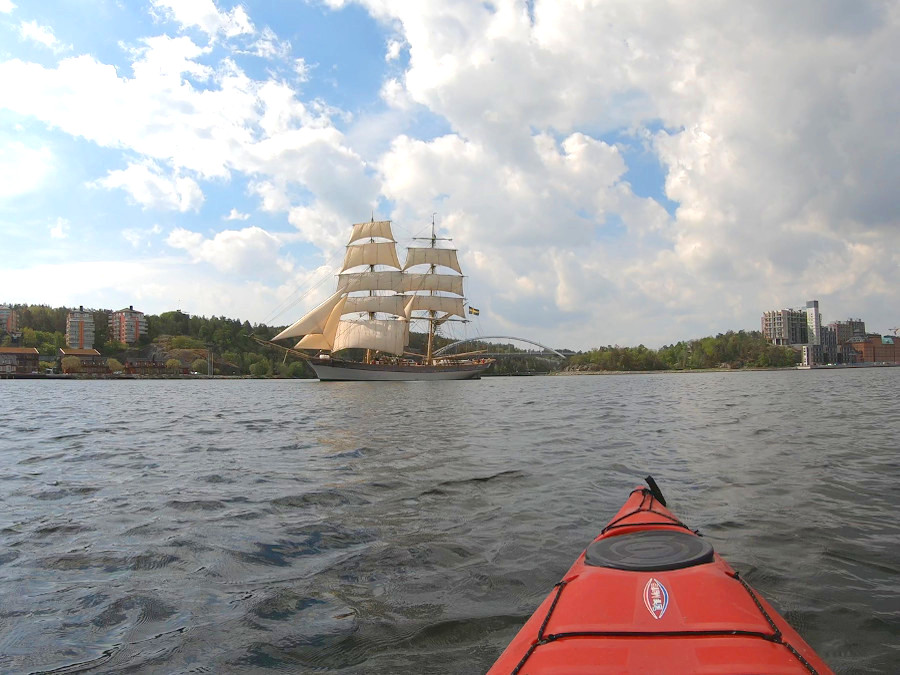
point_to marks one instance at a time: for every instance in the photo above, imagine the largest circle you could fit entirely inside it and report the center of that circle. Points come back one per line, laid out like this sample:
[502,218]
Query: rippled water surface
[297,526]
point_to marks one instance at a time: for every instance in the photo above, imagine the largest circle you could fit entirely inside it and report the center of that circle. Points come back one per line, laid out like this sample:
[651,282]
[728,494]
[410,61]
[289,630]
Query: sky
[611,171]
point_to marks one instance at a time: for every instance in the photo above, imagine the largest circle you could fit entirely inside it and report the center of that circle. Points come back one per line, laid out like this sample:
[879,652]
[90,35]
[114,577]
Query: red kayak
[649,595]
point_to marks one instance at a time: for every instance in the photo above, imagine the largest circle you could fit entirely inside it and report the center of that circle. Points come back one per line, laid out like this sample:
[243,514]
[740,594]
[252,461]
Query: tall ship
[376,301]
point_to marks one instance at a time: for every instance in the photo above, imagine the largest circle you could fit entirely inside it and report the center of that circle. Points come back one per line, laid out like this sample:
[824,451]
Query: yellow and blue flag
[474,311]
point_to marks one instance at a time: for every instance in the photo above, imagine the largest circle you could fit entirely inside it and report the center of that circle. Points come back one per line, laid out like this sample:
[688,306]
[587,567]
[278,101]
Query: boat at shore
[649,595]
[387,297]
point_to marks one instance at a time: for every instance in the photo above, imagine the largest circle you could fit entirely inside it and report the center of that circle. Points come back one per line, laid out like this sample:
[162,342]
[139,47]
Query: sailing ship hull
[335,370]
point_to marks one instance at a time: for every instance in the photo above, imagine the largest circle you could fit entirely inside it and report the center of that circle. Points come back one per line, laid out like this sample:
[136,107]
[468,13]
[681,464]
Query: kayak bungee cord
[774,636]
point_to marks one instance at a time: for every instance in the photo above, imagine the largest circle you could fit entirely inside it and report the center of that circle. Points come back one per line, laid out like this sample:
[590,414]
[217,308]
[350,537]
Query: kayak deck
[650,596]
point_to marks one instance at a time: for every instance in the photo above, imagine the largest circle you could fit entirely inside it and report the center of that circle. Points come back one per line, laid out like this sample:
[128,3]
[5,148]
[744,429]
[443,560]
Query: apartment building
[785,326]
[848,329]
[80,329]
[8,320]
[127,325]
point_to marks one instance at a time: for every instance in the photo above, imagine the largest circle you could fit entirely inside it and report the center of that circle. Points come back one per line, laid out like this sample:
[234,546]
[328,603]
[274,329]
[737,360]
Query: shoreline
[855,366]
[670,372]
[561,373]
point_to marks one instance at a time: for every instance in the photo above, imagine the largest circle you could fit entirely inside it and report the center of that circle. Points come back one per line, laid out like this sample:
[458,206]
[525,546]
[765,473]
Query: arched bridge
[546,351]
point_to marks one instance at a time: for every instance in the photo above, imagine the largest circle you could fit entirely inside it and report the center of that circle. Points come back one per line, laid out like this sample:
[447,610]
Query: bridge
[546,352]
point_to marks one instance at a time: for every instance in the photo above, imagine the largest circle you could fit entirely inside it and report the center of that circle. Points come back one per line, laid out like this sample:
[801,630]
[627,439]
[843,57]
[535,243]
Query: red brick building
[19,360]
[876,349]
[148,367]
[91,361]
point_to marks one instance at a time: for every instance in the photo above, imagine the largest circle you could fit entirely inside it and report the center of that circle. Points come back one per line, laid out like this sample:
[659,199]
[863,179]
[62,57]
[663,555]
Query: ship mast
[368,356]
[432,320]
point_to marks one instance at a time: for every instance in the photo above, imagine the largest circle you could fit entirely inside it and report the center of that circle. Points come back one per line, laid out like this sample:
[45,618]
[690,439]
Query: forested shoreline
[180,339]
[735,350]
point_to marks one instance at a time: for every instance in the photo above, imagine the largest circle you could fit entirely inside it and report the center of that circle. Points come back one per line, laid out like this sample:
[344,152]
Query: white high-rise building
[784,326]
[813,323]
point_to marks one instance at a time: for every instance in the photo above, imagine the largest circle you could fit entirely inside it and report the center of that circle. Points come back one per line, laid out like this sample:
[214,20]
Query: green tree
[186,342]
[101,329]
[113,347]
[114,365]
[199,366]
[71,364]
[261,368]
[173,365]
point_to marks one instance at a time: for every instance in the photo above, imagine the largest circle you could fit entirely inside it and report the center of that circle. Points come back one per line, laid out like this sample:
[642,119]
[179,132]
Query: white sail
[378,228]
[408,308]
[391,289]
[313,341]
[390,304]
[313,321]
[372,253]
[325,338]
[432,256]
[439,303]
[384,280]
[449,283]
[383,335]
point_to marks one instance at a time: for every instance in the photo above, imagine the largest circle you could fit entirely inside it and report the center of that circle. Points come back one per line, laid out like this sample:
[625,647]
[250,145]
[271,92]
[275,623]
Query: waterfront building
[90,360]
[80,329]
[8,319]
[848,329]
[874,348]
[145,367]
[813,323]
[830,349]
[19,360]
[801,328]
[785,326]
[127,325]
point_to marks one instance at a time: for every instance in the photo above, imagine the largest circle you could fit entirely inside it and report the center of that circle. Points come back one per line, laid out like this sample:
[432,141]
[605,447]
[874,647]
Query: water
[248,526]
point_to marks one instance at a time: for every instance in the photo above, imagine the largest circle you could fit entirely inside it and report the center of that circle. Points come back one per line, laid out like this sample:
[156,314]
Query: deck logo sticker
[656,598]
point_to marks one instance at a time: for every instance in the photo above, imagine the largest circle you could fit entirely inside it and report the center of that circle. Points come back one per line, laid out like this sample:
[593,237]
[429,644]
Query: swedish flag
[474,311]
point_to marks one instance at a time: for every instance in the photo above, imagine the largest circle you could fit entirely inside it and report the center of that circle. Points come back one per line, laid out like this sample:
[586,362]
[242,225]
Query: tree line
[175,337]
[741,349]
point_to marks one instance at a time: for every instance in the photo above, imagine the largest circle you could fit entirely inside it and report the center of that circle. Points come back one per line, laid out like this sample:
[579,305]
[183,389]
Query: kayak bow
[649,595]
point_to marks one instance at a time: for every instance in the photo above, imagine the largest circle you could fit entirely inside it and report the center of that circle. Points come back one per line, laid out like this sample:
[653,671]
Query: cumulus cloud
[225,123]
[394,48]
[632,175]
[43,35]
[302,69]
[60,230]
[151,188]
[23,169]
[7,6]
[152,285]
[234,214]
[774,132]
[251,251]
[138,237]
[269,46]
[204,14]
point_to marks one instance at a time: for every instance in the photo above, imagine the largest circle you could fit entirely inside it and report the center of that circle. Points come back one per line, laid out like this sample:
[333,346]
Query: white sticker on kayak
[656,598]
